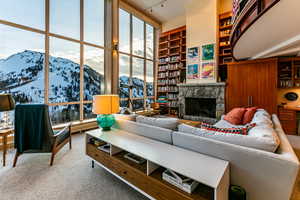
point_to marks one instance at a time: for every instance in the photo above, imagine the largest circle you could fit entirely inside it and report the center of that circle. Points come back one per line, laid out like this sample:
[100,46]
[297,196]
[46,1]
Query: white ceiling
[171,9]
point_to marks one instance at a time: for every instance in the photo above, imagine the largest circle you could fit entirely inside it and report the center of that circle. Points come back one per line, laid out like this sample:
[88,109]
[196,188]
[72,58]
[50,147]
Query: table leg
[4,149]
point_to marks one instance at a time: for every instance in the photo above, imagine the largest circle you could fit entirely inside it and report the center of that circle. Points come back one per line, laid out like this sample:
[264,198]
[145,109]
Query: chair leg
[16,158]
[70,142]
[52,158]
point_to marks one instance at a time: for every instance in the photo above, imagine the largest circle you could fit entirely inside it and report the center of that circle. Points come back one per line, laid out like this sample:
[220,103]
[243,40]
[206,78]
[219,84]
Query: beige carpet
[72,177]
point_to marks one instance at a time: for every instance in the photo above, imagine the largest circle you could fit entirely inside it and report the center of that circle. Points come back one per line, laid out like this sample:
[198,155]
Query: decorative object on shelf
[134,158]
[7,103]
[104,106]
[291,96]
[186,184]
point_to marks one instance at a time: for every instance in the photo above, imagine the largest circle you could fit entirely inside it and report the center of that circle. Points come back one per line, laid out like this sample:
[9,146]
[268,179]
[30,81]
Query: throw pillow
[249,114]
[239,131]
[235,116]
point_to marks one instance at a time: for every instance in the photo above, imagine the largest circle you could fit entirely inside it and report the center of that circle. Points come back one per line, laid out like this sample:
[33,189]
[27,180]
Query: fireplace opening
[203,107]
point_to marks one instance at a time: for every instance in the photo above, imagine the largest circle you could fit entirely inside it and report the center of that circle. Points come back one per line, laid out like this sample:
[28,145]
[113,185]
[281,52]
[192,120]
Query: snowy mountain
[22,74]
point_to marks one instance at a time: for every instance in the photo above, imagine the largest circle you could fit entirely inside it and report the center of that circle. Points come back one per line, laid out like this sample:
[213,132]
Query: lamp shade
[106,104]
[7,102]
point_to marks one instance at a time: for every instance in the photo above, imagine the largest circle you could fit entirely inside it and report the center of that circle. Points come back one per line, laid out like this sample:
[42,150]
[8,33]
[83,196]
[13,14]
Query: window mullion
[81,60]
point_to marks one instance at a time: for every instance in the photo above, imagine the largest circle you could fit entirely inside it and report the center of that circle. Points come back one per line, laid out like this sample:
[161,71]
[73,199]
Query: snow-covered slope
[22,74]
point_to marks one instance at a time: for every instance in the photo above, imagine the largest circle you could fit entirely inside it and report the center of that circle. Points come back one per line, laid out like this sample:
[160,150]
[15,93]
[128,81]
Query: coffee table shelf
[212,173]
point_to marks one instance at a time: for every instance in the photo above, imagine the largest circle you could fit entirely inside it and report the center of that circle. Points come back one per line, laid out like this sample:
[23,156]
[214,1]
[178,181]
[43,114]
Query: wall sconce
[115,47]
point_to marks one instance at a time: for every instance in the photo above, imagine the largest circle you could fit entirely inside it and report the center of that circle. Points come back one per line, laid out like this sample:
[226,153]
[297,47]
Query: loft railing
[245,13]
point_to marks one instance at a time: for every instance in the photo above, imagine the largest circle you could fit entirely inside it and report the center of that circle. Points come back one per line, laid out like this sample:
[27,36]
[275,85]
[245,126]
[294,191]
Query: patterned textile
[239,131]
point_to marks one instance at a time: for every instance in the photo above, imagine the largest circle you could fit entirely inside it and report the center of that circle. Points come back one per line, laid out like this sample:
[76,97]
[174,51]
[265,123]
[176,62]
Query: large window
[73,41]
[136,69]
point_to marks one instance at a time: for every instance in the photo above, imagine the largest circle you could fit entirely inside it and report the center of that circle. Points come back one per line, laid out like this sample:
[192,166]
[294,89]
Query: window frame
[144,58]
[48,34]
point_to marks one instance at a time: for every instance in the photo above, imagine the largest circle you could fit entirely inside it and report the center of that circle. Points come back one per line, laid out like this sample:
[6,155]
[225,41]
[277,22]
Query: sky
[64,20]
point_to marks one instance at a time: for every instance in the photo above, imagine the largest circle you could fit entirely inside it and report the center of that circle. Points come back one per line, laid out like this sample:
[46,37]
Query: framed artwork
[208,52]
[193,55]
[208,70]
[193,71]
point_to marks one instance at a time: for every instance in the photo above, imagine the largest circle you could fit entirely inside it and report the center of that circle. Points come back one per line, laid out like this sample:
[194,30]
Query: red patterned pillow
[239,131]
[235,116]
[248,116]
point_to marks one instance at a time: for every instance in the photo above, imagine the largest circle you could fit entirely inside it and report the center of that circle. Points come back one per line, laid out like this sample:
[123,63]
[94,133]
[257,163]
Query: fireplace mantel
[202,90]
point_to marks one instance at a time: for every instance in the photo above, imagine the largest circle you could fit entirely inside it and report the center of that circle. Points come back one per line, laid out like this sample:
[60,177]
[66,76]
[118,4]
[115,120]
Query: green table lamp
[104,106]
[7,103]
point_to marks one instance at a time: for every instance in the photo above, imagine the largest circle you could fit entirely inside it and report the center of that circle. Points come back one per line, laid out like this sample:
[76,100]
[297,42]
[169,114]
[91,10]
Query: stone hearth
[202,91]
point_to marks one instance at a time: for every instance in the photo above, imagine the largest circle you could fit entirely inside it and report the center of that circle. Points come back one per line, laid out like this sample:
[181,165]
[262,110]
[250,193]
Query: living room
[156,99]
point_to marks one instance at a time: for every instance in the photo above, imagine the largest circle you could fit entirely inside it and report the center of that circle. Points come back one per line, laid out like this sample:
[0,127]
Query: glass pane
[124,103]
[94,21]
[138,104]
[93,72]
[64,71]
[138,77]
[149,41]
[138,37]
[124,31]
[124,73]
[87,111]
[150,78]
[63,114]
[148,103]
[22,64]
[65,18]
[26,12]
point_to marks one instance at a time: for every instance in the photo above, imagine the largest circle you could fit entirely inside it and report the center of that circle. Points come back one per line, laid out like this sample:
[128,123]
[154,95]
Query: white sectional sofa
[263,174]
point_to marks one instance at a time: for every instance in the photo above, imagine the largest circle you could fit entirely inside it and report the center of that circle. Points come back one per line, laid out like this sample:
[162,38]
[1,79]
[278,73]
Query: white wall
[201,22]
[174,23]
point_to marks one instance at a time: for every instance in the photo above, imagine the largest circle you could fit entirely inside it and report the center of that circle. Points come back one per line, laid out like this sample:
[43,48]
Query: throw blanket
[30,126]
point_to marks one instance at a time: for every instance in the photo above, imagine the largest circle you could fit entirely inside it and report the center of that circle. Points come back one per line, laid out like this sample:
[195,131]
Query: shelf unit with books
[225,52]
[171,67]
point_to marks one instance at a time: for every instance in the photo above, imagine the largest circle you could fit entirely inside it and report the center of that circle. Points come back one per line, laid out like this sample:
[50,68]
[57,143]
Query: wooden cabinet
[288,119]
[252,83]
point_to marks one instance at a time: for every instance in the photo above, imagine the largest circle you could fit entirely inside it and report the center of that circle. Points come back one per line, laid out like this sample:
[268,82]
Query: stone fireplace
[202,101]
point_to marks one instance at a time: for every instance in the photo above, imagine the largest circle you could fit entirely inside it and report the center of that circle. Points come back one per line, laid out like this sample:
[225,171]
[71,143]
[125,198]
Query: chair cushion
[235,116]
[168,123]
[63,136]
[249,114]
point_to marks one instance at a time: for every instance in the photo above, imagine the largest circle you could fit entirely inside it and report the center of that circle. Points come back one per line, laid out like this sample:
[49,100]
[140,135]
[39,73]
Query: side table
[4,133]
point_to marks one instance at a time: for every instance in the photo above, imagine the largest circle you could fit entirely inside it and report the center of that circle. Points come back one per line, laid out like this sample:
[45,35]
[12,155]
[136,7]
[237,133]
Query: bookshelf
[225,53]
[171,67]
[289,72]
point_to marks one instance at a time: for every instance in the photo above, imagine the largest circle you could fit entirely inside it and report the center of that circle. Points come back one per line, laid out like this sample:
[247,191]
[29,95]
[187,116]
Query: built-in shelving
[289,72]
[172,66]
[225,53]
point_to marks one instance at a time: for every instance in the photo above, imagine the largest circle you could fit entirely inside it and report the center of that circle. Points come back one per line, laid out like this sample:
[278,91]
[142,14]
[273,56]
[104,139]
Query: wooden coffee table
[4,133]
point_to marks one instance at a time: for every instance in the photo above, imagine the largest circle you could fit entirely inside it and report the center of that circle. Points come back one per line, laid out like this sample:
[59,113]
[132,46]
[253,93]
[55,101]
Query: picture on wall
[208,52]
[193,55]
[193,71]
[208,70]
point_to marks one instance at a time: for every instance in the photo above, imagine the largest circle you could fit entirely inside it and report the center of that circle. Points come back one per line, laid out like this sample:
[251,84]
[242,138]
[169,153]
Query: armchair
[34,133]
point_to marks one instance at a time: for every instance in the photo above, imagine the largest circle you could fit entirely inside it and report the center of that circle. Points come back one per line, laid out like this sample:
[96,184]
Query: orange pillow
[248,116]
[235,116]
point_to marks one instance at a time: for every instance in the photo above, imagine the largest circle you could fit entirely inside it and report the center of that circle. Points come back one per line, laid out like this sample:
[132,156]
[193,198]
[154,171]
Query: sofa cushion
[213,129]
[262,118]
[263,139]
[156,133]
[168,123]
[131,117]
[249,114]
[235,116]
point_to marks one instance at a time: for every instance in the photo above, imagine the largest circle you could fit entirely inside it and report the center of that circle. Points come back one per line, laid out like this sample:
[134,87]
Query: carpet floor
[72,178]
